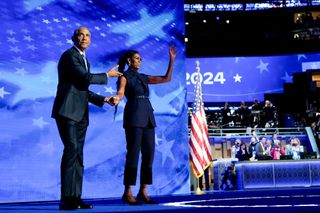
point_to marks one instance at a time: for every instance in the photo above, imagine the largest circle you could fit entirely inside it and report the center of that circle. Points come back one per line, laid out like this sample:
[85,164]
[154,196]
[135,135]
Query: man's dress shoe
[67,206]
[83,205]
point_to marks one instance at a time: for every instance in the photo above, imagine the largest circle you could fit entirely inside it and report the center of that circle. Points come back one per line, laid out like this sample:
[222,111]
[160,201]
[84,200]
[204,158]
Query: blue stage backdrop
[236,79]
[34,35]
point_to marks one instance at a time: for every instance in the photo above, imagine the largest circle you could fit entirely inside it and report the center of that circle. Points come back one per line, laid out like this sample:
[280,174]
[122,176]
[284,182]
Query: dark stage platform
[293,200]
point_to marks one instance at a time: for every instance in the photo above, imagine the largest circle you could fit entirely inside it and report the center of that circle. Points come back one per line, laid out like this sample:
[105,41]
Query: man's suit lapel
[88,65]
[79,56]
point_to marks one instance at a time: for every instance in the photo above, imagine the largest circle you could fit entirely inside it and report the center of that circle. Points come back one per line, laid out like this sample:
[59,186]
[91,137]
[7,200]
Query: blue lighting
[34,35]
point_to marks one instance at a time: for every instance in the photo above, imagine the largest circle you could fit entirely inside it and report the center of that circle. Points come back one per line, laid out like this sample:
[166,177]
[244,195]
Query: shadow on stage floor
[293,200]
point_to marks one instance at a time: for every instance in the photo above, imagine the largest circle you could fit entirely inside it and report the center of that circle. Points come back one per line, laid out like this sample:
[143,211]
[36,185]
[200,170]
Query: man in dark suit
[70,109]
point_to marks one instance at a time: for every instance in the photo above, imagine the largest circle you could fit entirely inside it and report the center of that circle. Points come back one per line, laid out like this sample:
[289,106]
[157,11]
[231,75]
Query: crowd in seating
[257,115]
[267,148]
[307,20]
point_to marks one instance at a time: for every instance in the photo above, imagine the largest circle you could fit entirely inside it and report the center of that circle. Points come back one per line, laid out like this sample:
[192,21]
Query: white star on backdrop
[39,122]
[69,41]
[263,66]
[21,71]
[287,78]
[237,78]
[157,140]
[15,49]
[46,21]
[28,38]
[165,149]
[109,90]
[301,56]
[12,40]
[18,60]
[3,92]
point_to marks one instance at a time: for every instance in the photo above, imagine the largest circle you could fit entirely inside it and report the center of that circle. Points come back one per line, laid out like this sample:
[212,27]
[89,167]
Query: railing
[245,132]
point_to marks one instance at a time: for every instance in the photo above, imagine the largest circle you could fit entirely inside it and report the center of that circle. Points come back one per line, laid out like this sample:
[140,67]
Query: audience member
[268,147]
[277,151]
[274,137]
[256,105]
[243,115]
[226,114]
[269,112]
[260,148]
[243,154]
[256,110]
[315,132]
[235,148]
[252,145]
[294,148]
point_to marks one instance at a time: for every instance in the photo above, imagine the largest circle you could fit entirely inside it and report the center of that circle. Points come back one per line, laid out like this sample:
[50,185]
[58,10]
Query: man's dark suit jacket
[73,94]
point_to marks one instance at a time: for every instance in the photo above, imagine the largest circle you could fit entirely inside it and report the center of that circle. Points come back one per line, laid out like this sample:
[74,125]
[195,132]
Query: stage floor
[291,200]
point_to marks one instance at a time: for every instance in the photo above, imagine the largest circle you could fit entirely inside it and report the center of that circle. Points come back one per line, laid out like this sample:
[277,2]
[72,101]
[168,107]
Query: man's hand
[113,72]
[115,100]
[112,101]
[109,100]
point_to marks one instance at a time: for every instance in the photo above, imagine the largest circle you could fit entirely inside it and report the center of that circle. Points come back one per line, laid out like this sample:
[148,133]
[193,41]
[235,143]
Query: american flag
[200,154]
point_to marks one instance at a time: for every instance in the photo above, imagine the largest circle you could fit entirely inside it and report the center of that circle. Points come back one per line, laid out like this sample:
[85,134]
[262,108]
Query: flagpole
[198,190]
[200,153]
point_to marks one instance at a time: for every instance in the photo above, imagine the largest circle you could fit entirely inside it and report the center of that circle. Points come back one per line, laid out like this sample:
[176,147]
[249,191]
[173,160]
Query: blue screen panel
[236,79]
[34,35]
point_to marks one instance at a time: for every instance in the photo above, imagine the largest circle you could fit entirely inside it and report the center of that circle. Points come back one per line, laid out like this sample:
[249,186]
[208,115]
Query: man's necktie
[85,61]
